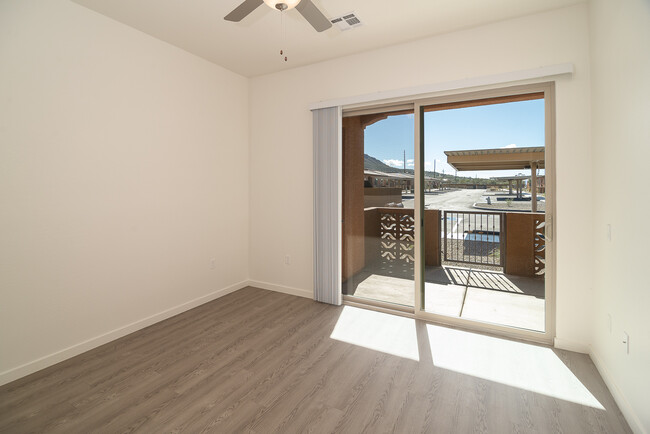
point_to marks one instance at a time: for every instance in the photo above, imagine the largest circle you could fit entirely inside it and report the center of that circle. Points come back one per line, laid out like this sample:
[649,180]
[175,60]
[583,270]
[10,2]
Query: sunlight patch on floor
[517,364]
[377,331]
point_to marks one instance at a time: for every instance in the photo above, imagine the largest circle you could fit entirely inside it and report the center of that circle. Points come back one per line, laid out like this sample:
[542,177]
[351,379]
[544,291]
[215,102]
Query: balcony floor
[480,295]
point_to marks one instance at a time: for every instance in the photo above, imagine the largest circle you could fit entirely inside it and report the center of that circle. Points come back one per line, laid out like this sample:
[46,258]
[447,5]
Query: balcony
[484,266]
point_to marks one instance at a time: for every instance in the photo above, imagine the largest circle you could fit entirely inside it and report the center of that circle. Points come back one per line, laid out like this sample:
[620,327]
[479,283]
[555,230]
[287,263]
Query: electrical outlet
[213,263]
[626,342]
[287,260]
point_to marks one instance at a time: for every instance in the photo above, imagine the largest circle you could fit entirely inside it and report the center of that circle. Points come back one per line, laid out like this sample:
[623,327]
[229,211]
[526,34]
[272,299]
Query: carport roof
[496,159]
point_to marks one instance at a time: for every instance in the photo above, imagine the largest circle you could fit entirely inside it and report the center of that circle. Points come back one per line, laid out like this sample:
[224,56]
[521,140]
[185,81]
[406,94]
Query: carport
[517,180]
[501,159]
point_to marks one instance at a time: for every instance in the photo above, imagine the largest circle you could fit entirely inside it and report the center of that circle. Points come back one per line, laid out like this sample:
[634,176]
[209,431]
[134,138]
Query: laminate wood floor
[262,362]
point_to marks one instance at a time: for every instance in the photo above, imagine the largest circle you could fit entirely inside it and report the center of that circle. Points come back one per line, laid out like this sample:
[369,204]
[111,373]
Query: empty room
[324,216]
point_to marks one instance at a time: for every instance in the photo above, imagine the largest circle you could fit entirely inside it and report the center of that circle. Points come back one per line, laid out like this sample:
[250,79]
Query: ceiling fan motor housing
[282,5]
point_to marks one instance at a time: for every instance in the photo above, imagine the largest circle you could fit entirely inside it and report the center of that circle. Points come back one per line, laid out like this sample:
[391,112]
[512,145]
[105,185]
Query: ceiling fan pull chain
[283,31]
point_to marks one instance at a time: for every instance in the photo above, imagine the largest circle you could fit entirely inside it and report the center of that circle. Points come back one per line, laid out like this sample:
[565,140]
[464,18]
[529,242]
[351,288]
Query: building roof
[391,175]
[496,159]
[510,178]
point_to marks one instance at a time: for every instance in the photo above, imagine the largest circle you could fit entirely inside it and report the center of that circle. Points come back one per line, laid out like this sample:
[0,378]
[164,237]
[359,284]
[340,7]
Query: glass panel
[484,197]
[378,198]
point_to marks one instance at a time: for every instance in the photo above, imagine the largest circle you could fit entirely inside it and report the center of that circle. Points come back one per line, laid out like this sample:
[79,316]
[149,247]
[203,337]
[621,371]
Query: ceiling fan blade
[312,14]
[240,12]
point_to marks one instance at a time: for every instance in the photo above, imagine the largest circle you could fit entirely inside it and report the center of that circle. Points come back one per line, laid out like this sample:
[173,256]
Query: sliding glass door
[378,204]
[447,210]
[485,198]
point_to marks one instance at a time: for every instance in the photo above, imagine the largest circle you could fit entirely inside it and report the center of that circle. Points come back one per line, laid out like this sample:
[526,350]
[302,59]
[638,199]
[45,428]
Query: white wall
[125,167]
[123,170]
[620,65]
[281,141]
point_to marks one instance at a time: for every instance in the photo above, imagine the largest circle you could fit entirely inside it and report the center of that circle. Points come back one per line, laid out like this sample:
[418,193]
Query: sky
[515,124]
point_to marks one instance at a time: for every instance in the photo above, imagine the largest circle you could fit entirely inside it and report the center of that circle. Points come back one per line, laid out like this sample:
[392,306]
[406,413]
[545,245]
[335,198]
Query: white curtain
[327,145]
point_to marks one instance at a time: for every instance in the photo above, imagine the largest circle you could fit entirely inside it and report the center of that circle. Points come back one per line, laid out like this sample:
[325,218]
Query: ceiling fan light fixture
[307,9]
[282,5]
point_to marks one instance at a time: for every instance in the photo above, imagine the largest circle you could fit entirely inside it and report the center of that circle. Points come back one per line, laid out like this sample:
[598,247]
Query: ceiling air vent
[347,21]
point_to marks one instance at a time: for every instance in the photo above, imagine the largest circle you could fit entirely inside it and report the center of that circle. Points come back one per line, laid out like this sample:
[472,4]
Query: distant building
[376,179]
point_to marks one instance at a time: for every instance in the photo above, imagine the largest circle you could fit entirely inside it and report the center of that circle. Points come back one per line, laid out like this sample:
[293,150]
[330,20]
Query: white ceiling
[252,46]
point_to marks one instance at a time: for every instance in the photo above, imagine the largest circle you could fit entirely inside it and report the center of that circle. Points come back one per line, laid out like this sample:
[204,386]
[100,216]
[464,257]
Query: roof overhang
[496,159]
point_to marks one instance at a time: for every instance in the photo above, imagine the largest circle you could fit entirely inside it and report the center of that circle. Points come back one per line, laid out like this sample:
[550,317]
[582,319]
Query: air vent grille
[347,21]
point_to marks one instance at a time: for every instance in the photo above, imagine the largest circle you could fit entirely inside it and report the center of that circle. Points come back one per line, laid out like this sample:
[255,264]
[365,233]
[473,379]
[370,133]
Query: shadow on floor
[477,294]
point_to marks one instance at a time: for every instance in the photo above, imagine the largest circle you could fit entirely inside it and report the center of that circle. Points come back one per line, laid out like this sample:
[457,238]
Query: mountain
[371,163]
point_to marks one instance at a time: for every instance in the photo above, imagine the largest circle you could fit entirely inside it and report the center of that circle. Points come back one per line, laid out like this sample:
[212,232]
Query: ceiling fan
[306,8]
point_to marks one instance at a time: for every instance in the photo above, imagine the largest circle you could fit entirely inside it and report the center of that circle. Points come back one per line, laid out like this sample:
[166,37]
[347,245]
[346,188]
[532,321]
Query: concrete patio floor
[480,295]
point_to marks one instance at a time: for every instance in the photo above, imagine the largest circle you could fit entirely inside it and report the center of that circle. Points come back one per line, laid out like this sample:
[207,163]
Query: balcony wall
[380,196]
[524,239]
[525,247]
[375,227]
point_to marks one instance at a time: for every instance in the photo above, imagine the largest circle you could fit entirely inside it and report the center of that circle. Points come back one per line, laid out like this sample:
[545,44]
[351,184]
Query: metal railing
[472,237]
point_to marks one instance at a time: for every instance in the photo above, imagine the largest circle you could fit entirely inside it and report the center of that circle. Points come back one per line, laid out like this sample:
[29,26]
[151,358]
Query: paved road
[458,200]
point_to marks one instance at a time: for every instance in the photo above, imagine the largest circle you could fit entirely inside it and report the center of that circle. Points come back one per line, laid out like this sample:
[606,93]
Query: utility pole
[404,171]
[434,167]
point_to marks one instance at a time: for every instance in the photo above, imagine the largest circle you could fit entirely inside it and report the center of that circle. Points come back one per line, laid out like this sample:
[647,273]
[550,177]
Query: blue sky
[519,124]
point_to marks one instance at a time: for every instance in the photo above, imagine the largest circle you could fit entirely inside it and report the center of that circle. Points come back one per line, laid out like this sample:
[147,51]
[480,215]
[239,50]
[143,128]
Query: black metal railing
[472,237]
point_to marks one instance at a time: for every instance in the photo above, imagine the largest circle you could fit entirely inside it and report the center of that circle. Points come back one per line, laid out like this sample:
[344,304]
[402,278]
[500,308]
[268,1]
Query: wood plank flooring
[262,362]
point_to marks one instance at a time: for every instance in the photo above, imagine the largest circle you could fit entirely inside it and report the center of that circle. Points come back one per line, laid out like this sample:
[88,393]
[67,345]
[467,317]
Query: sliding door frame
[548,335]
[459,96]
[383,306]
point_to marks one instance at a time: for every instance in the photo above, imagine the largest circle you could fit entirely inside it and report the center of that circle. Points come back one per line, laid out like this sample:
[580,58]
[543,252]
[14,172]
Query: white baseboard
[622,402]
[280,288]
[564,344]
[74,350]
